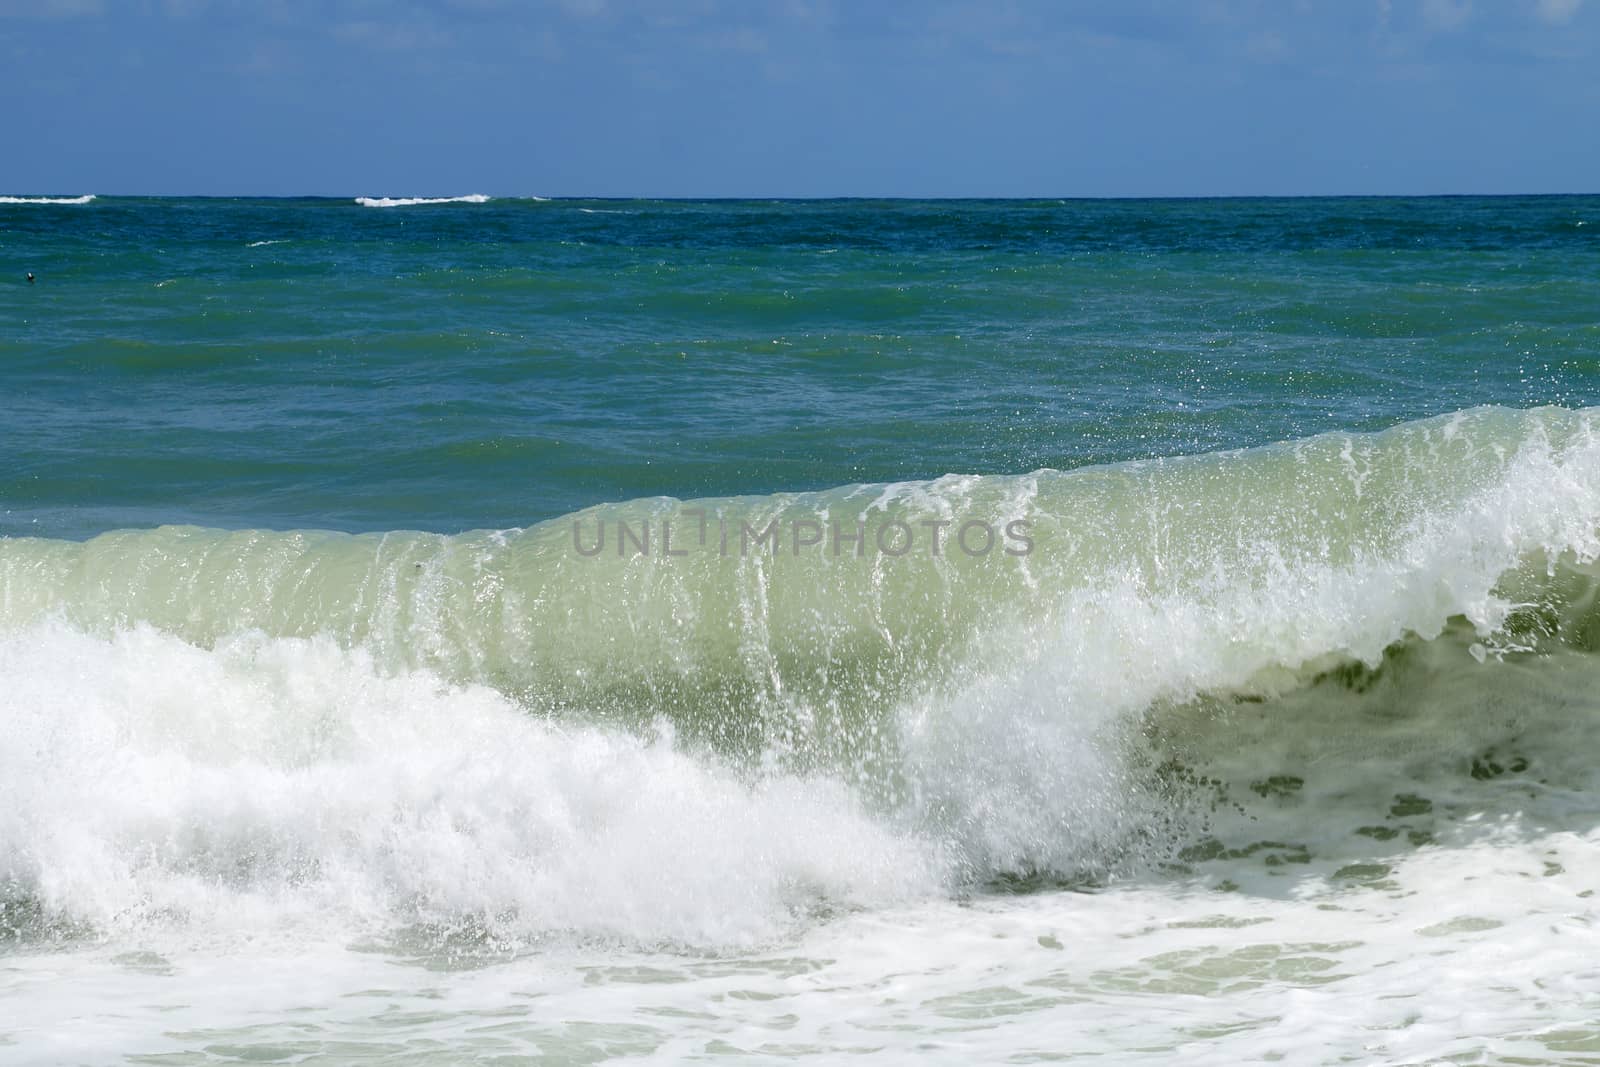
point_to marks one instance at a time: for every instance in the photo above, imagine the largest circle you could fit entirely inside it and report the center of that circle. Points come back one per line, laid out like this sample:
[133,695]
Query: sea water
[451,628]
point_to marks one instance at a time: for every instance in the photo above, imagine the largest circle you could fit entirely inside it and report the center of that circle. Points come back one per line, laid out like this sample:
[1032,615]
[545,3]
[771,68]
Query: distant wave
[45,199]
[414,201]
[263,244]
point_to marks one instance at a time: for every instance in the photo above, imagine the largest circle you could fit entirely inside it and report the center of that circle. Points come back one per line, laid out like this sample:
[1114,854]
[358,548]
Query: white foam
[1021,762]
[263,244]
[416,201]
[46,199]
[1131,977]
[280,783]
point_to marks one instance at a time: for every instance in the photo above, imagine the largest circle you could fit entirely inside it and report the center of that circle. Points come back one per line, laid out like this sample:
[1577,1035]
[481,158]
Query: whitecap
[415,201]
[46,199]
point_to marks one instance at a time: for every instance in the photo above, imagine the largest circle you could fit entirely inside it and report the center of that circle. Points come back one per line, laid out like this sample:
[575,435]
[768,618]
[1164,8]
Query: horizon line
[752,198]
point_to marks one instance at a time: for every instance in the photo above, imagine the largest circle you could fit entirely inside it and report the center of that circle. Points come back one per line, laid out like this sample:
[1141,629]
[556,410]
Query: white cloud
[739,39]
[1557,12]
[1446,14]
[1267,47]
[50,9]
[390,36]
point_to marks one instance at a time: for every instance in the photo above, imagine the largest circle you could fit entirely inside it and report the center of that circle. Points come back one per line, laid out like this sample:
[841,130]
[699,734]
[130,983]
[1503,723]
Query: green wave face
[1340,543]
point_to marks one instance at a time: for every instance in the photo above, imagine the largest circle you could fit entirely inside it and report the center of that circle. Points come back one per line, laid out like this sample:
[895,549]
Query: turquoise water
[519,630]
[490,365]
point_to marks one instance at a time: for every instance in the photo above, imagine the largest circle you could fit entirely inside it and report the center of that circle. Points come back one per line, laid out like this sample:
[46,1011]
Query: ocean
[442,630]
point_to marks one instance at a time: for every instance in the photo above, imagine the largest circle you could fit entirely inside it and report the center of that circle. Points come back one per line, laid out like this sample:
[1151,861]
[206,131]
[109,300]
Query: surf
[1199,660]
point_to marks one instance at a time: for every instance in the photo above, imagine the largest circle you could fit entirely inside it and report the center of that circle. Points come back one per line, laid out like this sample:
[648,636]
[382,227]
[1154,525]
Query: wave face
[415,201]
[46,199]
[497,729]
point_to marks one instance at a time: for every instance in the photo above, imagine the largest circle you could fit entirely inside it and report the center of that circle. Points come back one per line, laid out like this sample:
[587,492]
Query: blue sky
[800,97]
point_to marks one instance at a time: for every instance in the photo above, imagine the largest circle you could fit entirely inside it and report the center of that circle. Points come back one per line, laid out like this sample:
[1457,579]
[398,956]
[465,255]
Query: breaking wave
[512,731]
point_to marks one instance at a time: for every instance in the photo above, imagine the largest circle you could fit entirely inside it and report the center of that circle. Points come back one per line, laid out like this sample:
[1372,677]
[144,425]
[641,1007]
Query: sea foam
[276,782]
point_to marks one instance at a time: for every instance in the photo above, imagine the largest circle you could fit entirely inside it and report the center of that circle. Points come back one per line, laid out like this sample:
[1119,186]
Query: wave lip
[47,199]
[416,201]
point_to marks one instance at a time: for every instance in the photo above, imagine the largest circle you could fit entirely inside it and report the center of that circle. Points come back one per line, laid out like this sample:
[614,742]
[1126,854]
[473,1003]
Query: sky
[777,98]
